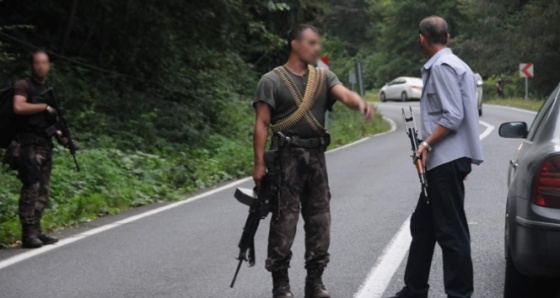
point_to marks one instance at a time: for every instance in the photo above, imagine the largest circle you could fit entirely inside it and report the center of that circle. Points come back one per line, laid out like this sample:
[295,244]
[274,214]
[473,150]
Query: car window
[541,114]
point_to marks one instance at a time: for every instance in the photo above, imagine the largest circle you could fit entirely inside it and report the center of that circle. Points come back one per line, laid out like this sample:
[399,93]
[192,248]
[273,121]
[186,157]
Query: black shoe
[281,284]
[46,239]
[314,287]
[405,293]
[29,236]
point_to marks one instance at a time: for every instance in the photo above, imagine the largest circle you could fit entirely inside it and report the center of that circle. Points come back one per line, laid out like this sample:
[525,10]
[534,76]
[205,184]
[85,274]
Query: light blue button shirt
[449,100]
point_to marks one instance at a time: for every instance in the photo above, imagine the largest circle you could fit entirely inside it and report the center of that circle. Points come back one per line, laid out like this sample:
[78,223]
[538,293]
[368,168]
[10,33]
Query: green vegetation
[346,126]
[372,95]
[492,36]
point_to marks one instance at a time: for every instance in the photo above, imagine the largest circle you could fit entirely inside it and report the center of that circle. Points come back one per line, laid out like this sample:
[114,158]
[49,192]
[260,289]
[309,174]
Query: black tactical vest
[35,124]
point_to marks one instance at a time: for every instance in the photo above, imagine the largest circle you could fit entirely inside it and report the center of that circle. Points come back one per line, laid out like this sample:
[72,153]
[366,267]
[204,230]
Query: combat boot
[281,284]
[30,236]
[46,239]
[314,287]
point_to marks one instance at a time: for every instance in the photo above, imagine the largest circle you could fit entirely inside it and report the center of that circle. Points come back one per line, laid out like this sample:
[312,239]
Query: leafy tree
[393,33]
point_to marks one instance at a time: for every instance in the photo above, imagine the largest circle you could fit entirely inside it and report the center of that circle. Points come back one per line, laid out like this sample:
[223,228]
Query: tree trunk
[69,26]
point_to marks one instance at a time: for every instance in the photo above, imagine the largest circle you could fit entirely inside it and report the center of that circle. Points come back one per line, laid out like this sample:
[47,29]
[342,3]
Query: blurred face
[41,65]
[308,46]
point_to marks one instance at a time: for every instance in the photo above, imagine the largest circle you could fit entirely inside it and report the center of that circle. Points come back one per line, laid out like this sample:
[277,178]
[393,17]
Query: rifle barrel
[236,273]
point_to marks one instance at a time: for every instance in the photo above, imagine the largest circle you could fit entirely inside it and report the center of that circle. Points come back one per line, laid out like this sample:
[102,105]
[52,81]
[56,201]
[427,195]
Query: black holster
[320,143]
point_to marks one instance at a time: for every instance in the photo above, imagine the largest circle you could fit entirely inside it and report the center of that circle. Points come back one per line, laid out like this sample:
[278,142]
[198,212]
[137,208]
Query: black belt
[306,143]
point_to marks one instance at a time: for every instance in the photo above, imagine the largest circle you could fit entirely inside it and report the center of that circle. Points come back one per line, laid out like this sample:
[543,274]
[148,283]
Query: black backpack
[8,119]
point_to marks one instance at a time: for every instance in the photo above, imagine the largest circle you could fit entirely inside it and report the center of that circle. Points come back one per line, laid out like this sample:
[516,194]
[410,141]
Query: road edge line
[32,253]
[511,108]
[393,127]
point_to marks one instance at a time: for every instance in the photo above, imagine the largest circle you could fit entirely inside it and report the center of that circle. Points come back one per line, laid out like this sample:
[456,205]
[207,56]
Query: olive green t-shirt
[273,91]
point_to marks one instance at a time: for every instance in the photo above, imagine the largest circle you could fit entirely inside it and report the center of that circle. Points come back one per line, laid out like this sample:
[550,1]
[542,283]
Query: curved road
[187,249]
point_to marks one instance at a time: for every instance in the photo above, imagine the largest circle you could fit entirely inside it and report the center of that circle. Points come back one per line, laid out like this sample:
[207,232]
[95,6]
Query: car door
[401,86]
[396,88]
[527,143]
[390,91]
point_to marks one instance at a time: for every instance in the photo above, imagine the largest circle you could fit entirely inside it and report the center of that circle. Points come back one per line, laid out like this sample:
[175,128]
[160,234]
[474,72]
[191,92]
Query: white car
[402,88]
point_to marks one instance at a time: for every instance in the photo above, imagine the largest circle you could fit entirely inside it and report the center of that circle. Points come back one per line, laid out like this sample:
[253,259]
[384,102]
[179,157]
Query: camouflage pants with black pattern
[305,189]
[34,171]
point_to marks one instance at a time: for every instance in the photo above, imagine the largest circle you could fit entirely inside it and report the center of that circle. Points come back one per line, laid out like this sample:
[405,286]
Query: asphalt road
[188,250]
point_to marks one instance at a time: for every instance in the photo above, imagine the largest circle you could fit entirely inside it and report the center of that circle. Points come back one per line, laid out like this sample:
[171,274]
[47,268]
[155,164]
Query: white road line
[392,256]
[393,127]
[387,264]
[32,253]
[487,131]
[512,108]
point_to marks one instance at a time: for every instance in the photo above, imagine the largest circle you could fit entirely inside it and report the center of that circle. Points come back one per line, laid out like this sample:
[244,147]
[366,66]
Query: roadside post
[352,79]
[360,77]
[527,71]
[325,63]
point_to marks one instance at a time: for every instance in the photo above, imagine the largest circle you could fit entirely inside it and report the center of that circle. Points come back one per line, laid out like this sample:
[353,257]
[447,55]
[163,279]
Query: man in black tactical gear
[35,150]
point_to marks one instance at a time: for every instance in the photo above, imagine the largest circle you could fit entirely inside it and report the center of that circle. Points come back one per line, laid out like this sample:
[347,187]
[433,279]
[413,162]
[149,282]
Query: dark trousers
[306,190]
[442,221]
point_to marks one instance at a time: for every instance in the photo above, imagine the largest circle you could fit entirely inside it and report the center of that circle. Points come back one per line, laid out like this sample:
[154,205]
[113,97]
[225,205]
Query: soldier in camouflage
[292,99]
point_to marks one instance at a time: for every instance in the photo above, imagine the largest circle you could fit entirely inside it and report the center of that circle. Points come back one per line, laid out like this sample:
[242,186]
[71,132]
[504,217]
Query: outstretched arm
[352,100]
[262,122]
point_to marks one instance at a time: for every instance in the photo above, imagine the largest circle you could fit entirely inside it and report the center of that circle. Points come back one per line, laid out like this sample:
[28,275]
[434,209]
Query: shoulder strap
[315,86]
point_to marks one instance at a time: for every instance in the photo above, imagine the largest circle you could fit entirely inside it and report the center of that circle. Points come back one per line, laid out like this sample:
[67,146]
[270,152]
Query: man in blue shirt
[451,144]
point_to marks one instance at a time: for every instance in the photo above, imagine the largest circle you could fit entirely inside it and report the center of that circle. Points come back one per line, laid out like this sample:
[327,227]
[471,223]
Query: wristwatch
[426,145]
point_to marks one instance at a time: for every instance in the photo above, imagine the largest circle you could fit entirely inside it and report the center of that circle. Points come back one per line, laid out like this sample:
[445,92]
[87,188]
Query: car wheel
[383,97]
[480,111]
[516,284]
[404,96]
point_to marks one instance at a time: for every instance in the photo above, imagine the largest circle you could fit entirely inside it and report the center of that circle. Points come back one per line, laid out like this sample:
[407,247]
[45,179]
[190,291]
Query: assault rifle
[260,206]
[61,125]
[260,203]
[410,128]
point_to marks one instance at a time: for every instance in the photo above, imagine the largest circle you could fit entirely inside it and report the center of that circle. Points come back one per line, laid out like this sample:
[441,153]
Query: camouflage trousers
[306,190]
[34,171]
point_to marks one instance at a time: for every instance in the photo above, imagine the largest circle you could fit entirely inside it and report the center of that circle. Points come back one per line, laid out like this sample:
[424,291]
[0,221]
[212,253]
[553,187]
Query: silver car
[532,231]
[402,88]
[479,92]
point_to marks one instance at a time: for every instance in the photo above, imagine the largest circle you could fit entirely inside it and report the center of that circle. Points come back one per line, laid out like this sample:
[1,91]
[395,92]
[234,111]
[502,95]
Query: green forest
[159,93]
